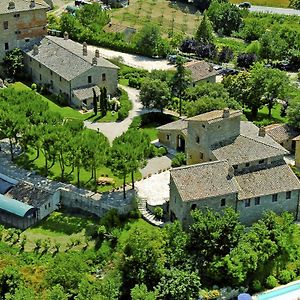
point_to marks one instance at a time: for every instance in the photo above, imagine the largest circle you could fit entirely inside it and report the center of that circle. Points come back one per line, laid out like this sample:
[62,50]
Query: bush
[271,282]
[161,151]
[34,86]
[122,114]
[158,212]
[126,106]
[256,285]
[179,160]
[111,219]
[285,276]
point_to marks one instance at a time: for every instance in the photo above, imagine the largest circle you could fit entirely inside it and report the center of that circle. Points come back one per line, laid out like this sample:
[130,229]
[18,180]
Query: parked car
[245,5]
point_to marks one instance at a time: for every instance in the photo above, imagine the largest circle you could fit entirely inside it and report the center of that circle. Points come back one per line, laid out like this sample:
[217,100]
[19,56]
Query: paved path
[133,60]
[155,189]
[115,129]
[275,10]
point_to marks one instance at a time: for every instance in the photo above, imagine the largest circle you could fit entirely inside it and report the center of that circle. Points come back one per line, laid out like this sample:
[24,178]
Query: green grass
[124,81]
[151,130]
[60,227]
[67,112]
[263,115]
[85,176]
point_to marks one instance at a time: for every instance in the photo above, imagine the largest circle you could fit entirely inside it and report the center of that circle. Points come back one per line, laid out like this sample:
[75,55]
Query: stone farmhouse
[22,204]
[22,22]
[231,163]
[69,69]
[201,71]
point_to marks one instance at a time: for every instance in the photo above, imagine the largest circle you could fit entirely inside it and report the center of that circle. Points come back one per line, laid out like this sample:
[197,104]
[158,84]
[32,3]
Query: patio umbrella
[244,296]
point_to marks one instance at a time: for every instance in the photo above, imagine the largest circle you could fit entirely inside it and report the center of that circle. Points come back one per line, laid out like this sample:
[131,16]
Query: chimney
[11,5]
[35,50]
[66,36]
[84,49]
[226,112]
[32,4]
[97,53]
[230,172]
[262,132]
[94,61]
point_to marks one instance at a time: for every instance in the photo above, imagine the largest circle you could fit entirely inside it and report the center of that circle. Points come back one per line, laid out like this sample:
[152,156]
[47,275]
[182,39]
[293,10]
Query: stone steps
[147,215]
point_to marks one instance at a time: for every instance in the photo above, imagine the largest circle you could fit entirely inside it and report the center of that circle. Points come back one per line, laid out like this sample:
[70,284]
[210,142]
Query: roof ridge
[200,164]
[261,142]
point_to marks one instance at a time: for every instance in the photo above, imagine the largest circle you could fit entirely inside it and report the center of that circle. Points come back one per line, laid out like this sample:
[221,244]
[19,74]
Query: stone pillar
[297,151]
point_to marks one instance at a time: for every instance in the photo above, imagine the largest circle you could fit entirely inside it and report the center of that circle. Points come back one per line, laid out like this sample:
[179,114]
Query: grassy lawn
[178,17]
[67,112]
[151,130]
[275,3]
[263,115]
[62,228]
[71,177]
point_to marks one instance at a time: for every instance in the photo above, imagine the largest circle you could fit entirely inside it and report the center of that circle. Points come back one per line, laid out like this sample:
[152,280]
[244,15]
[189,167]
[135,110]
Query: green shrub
[135,214]
[126,106]
[34,86]
[161,151]
[111,219]
[179,160]
[122,114]
[136,122]
[271,282]
[158,212]
[285,276]
[256,285]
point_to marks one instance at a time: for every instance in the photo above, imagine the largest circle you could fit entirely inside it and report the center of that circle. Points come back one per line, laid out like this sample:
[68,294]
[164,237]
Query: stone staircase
[148,215]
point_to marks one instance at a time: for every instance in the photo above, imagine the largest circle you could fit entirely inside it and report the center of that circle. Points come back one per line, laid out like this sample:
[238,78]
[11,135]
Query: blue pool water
[280,292]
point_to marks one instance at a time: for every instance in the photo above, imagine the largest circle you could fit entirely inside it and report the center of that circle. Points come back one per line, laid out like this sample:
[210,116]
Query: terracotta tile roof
[267,182]
[214,116]
[204,180]
[21,5]
[281,132]
[200,70]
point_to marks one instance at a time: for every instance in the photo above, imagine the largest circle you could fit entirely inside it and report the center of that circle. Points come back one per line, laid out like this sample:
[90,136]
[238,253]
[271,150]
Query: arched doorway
[180,143]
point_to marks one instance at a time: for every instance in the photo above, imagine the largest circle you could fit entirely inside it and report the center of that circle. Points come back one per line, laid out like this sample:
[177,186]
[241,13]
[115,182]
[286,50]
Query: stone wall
[23,28]
[172,134]
[50,205]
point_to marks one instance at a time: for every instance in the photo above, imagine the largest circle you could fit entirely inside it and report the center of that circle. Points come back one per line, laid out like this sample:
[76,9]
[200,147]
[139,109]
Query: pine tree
[95,102]
[204,34]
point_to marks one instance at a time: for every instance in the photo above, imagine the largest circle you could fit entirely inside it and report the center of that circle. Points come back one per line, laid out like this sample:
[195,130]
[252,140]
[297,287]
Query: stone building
[70,69]
[22,205]
[201,71]
[234,164]
[22,22]
[283,134]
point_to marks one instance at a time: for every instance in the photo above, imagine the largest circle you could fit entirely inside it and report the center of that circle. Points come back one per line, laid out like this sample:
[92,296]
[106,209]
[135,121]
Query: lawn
[169,16]
[60,227]
[263,117]
[67,112]
[85,176]
[275,3]
[151,130]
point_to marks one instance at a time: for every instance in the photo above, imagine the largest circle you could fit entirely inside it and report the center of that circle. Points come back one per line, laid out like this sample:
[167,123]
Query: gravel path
[275,10]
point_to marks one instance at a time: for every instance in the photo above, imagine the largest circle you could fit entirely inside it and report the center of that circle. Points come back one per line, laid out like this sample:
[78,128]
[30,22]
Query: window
[51,73]
[17,32]
[288,195]
[223,202]
[247,202]
[49,204]
[247,164]
[193,206]
[51,84]
[168,137]
[274,198]
[89,79]
[257,201]
[30,59]
[5,25]
[40,76]
[103,77]
[59,78]
[6,46]
[16,15]
[27,40]
[197,139]
[40,65]
[201,155]
[203,125]
[261,161]
[46,206]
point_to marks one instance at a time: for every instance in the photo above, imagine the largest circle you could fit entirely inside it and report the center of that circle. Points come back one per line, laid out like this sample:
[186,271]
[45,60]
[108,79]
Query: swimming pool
[289,292]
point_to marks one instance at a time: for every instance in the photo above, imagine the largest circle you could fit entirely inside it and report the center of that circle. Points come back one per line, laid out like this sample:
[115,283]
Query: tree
[103,101]
[293,112]
[225,55]
[95,106]
[202,4]
[140,292]
[204,34]
[295,4]
[149,41]
[206,51]
[246,60]
[13,62]
[188,45]
[181,81]
[225,17]
[155,94]
[57,293]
